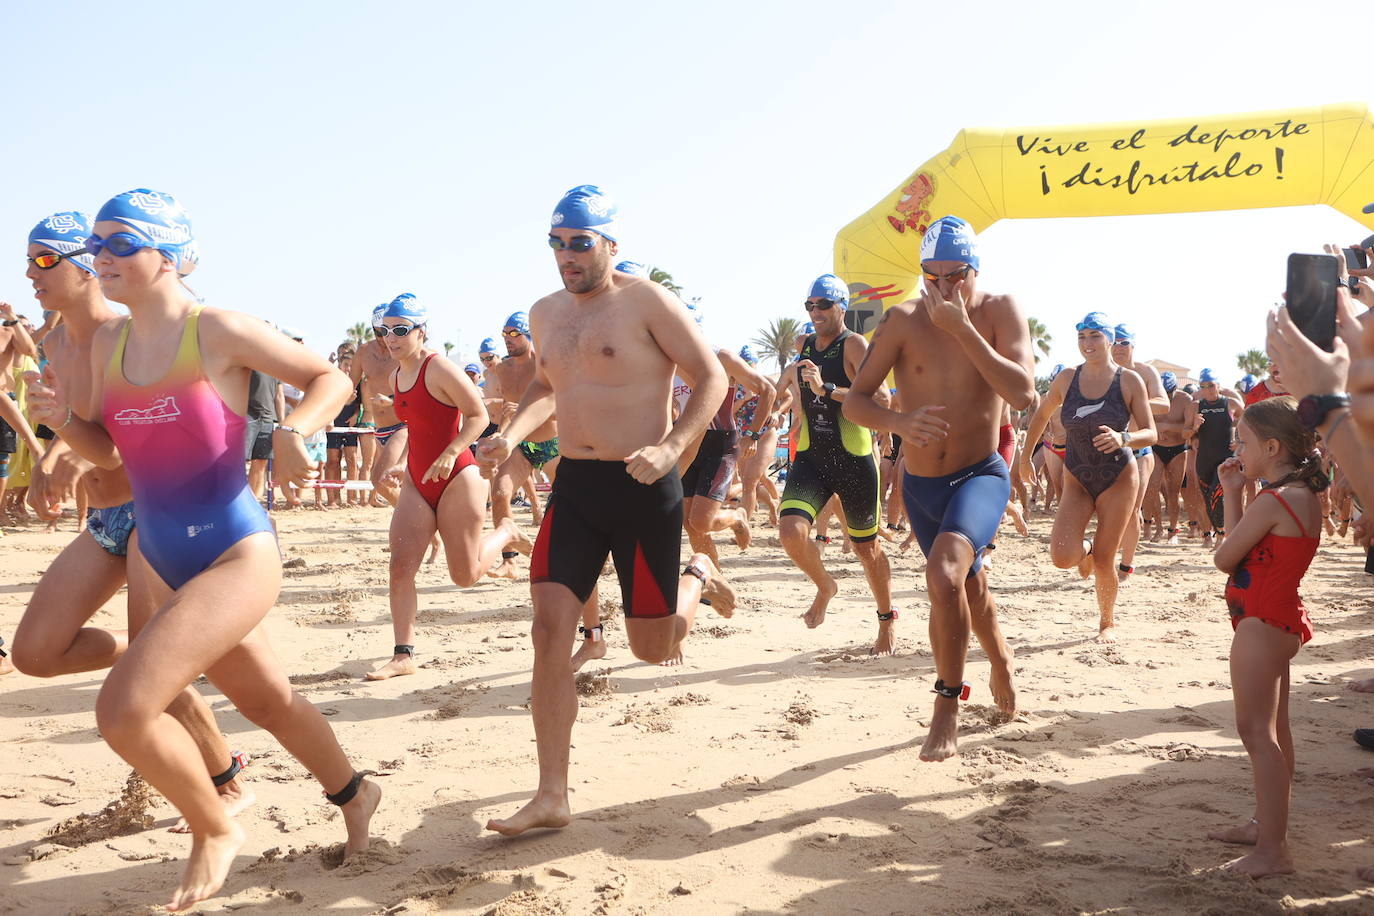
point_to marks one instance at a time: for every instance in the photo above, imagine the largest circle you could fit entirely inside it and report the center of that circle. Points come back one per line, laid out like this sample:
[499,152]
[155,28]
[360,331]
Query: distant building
[1182,372]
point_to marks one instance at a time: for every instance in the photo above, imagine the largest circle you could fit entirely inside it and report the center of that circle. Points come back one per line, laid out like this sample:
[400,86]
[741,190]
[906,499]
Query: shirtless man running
[610,343]
[1170,462]
[53,638]
[539,450]
[374,366]
[958,354]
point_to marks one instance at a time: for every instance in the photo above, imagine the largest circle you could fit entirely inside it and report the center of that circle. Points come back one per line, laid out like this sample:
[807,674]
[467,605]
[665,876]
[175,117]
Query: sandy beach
[775,772]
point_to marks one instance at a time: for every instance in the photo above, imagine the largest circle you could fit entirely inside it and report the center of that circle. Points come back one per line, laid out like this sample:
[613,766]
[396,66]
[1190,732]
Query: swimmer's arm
[355,368]
[84,437]
[754,382]
[536,407]
[456,387]
[1244,531]
[1140,405]
[861,406]
[1189,418]
[1154,387]
[23,343]
[1008,367]
[677,337]
[1052,401]
[11,414]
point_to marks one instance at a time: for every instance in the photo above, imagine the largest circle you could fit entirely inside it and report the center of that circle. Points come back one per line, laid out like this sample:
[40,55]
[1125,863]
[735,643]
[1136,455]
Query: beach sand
[776,771]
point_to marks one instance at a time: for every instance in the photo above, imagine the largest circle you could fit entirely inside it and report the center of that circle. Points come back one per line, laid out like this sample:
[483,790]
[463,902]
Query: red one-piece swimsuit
[1265,584]
[432,427]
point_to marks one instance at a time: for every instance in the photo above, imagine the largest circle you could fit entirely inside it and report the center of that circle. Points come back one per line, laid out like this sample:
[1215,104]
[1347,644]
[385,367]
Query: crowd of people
[168,427]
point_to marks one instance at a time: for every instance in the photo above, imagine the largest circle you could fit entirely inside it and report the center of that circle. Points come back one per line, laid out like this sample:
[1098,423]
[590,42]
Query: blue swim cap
[1247,382]
[696,312]
[586,207]
[1097,321]
[1058,368]
[633,268]
[1206,375]
[1124,334]
[1190,388]
[808,328]
[488,346]
[520,321]
[378,314]
[1170,382]
[64,233]
[473,368]
[829,286]
[408,307]
[158,218]
[950,239]
[746,353]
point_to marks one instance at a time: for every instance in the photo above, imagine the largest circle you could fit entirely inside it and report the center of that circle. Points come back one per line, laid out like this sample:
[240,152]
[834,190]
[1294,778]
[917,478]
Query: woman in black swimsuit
[1097,402]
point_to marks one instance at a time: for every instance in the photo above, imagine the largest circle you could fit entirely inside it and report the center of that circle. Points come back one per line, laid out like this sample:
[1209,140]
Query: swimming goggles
[820,305]
[121,244]
[49,259]
[576,243]
[1085,326]
[401,330]
[952,275]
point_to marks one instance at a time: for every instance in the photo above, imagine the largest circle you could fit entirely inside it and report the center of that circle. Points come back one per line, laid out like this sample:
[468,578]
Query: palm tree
[358,333]
[1040,337]
[776,340]
[664,279]
[1253,362]
[448,348]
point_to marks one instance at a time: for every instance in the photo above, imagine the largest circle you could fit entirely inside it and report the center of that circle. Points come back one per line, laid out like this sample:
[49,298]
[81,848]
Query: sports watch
[1312,410]
[829,388]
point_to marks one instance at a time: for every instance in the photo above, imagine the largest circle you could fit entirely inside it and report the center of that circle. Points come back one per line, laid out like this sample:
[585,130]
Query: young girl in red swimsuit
[1266,555]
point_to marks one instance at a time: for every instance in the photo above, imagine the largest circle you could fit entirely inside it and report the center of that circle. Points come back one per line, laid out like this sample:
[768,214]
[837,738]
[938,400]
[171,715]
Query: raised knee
[35,664]
[118,722]
[652,651]
[269,710]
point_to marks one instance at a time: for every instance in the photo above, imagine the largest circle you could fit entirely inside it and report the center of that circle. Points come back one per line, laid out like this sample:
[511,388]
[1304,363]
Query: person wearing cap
[1171,464]
[1209,424]
[611,343]
[957,354]
[834,460]
[371,372]
[1124,355]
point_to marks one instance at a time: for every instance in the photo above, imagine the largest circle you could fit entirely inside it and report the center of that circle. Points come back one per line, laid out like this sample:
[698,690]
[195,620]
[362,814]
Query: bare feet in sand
[518,540]
[1001,682]
[886,643]
[1085,565]
[207,867]
[1262,864]
[400,665]
[943,740]
[1106,636]
[715,589]
[1363,686]
[1246,834]
[358,816]
[740,527]
[236,797]
[540,812]
[504,570]
[590,650]
[673,660]
[815,615]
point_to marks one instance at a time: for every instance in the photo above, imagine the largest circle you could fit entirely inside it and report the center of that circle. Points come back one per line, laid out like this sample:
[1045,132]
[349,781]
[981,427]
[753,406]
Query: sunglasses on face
[576,243]
[121,244]
[489,359]
[819,305]
[48,260]
[401,330]
[952,275]
[512,332]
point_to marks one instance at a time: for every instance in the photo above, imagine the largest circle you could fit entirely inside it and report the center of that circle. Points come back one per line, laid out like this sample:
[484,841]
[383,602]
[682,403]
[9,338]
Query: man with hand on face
[609,346]
[958,354]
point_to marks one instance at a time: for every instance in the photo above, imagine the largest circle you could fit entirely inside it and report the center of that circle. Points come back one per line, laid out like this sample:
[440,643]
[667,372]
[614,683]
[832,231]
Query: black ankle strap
[953,693]
[592,633]
[890,615]
[403,650]
[345,795]
[509,554]
[237,761]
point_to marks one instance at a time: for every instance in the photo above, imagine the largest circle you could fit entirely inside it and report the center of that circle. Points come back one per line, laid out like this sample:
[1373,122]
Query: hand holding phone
[1311,296]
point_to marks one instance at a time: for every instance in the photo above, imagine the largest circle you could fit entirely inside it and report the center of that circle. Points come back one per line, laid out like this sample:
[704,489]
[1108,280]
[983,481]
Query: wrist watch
[829,388]
[1312,410]
[9,322]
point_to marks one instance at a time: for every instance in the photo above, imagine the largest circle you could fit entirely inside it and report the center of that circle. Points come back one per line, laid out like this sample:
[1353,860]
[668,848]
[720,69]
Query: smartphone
[1354,257]
[1312,280]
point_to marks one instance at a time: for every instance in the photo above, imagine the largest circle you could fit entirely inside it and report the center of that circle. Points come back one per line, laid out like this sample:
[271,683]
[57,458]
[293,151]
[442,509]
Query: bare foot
[518,540]
[236,797]
[1001,682]
[1106,636]
[1246,834]
[1260,865]
[672,661]
[1329,525]
[743,536]
[1172,540]
[504,570]
[590,650]
[6,666]
[815,615]
[1085,565]
[943,740]
[886,643]
[1364,686]
[540,812]
[1122,575]
[358,815]
[887,534]
[715,589]
[207,867]
[399,666]
[906,545]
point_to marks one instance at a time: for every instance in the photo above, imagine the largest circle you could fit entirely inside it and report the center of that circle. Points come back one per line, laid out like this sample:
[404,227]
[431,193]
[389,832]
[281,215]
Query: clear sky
[336,154]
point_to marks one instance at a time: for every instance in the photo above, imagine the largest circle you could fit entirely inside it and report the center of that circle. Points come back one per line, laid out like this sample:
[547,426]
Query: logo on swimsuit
[164,410]
[1088,409]
[955,483]
[193,530]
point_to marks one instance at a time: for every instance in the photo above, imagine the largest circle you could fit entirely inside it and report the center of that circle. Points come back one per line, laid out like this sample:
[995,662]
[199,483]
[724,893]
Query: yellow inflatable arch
[1228,162]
